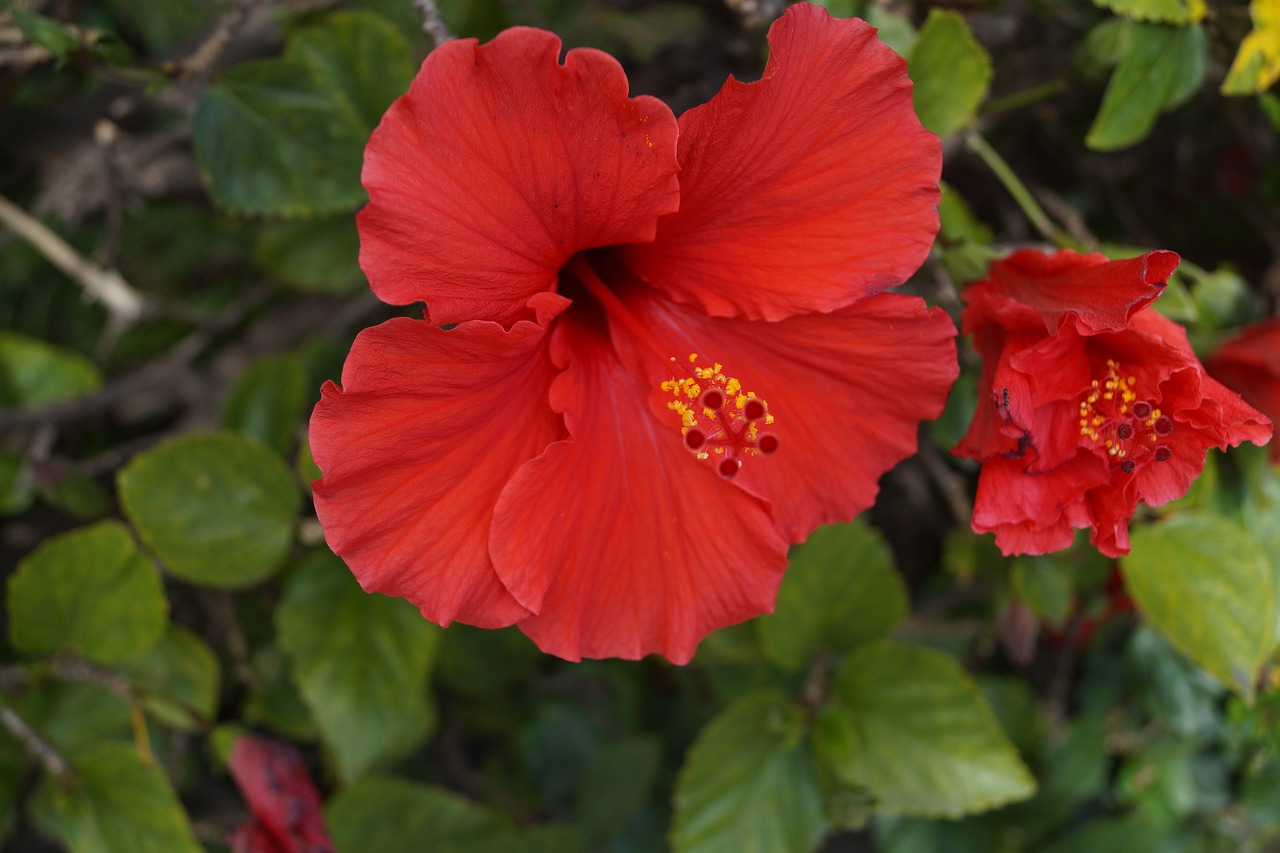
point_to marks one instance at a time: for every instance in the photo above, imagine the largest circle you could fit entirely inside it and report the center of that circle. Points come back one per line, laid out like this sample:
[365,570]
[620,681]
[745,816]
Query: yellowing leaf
[1257,64]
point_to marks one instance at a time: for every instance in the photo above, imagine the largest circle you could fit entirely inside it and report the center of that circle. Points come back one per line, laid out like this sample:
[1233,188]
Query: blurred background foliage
[178,275]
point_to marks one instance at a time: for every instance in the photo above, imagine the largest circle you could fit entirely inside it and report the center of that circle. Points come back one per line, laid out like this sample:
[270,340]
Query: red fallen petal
[278,788]
[805,190]
[1101,294]
[848,391]
[621,546]
[1036,513]
[416,446]
[499,164]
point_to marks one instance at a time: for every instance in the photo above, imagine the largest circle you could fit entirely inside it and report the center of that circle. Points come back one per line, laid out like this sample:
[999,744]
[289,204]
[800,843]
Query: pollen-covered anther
[1125,428]
[719,419]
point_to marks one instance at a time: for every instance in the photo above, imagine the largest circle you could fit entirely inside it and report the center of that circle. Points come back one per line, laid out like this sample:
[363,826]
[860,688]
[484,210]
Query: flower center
[718,418]
[1129,430]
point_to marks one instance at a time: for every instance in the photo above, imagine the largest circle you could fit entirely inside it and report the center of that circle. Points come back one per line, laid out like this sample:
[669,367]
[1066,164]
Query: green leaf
[275,701]
[178,679]
[17,485]
[45,32]
[1162,11]
[1046,584]
[313,255]
[1257,64]
[840,590]
[361,660]
[286,136]
[34,373]
[392,815]
[117,804]
[268,401]
[615,783]
[749,783]
[217,508]
[1163,67]
[89,591]
[1204,583]
[76,717]
[951,72]
[162,27]
[911,726]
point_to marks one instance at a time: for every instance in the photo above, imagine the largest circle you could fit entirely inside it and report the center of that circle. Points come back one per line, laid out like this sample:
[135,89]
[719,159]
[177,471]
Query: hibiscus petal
[499,164]
[805,190]
[618,544]
[1101,294]
[848,391]
[1036,513]
[415,447]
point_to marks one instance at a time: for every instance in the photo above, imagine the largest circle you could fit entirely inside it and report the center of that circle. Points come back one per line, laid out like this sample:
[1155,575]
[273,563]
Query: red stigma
[719,419]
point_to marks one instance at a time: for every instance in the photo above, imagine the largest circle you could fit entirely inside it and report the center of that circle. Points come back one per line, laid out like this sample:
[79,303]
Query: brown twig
[123,303]
[432,23]
[44,751]
[204,57]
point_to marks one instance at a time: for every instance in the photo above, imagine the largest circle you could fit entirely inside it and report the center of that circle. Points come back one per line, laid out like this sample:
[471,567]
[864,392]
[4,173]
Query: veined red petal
[805,190]
[1103,295]
[1249,365]
[1036,513]
[848,391]
[426,430]
[620,546]
[499,164]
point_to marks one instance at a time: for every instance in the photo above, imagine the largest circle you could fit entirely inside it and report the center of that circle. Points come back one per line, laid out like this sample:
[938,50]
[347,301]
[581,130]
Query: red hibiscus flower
[288,816]
[1097,402]
[1249,364]
[670,359]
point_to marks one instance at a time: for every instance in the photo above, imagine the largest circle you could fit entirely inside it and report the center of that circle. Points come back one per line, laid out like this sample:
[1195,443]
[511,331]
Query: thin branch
[204,57]
[432,23]
[35,744]
[1025,200]
[107,286]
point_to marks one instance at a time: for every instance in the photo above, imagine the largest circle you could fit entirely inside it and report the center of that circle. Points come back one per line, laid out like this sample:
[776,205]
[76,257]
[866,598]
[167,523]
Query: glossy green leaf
[313,255]
[361,661]
[1162,68]
[392,815]
[218,508]
[268,401]
[840,590]
[1204,583]
[89,591]
[1162,11]
[33,373]
[286,136]
[178,679]
[117,805]
[749,783]
[951,72]
[910,725]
